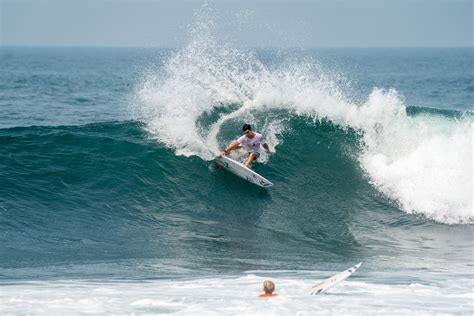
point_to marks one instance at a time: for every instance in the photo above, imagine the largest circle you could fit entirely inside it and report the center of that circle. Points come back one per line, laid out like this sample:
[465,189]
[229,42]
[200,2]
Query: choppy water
[110,201]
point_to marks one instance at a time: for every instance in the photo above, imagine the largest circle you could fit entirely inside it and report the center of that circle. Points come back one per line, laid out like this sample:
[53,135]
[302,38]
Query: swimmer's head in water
[268,287]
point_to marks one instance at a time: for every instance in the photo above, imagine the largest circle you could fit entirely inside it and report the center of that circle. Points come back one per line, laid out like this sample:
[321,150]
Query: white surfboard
[242,171]
[332,281]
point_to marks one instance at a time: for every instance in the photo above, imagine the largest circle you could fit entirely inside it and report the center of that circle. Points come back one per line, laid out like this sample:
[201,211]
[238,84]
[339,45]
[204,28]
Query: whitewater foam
[423,162]
[426,170]
[232,295]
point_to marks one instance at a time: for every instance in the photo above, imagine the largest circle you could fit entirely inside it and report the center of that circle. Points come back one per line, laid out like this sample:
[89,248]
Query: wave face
[204,92]
[74,196]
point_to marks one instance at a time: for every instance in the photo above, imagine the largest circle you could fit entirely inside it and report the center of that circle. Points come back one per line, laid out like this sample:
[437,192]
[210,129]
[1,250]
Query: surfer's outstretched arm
[234,145]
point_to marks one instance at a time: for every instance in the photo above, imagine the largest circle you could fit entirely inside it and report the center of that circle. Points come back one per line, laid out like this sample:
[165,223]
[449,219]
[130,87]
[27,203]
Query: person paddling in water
[250,142]
[268,288]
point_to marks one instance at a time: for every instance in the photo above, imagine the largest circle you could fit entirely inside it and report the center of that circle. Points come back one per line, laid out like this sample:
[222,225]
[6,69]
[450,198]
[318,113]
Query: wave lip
[433,178]
[422,161]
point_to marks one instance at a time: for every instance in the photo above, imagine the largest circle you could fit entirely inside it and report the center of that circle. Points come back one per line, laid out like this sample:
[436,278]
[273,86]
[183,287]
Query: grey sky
[341,23]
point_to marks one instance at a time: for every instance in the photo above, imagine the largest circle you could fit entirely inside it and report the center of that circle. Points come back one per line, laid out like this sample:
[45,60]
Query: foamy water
[237,295]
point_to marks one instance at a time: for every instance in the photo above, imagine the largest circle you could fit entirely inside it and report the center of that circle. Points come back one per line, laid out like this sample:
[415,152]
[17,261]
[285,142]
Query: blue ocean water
[111,203]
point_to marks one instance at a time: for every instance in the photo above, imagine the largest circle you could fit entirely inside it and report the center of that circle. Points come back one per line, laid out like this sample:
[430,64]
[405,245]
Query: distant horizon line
[244,47]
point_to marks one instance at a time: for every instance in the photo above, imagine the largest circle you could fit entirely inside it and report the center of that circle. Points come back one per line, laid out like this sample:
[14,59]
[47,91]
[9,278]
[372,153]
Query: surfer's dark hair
[246,127]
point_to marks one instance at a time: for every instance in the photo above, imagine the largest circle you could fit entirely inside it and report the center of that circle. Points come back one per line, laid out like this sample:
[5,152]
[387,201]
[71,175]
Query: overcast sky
[258,23]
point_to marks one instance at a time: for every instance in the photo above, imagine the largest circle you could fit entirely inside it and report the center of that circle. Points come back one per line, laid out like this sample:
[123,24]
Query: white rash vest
[252,144]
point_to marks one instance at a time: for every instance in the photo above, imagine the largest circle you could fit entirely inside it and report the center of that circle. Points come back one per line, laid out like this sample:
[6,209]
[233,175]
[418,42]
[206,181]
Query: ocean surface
[110,201]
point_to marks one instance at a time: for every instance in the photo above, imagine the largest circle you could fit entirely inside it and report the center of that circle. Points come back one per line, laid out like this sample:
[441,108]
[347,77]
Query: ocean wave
[423,161]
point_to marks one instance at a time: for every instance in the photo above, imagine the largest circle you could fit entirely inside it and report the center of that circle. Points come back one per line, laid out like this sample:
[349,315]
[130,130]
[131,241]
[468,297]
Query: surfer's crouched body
[250,142]
[268,288]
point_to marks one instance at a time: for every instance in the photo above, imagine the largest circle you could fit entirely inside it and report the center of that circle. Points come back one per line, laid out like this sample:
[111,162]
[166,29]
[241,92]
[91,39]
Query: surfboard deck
[239,169]
[332,281]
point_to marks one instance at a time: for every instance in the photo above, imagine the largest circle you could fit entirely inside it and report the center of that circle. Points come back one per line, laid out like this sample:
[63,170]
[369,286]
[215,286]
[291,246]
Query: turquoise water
[108,187]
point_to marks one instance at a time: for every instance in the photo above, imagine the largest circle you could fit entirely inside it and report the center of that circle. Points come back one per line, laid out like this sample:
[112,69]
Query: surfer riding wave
[250,142]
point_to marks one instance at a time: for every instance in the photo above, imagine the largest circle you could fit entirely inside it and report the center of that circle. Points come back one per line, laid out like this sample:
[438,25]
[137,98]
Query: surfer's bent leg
[250,158]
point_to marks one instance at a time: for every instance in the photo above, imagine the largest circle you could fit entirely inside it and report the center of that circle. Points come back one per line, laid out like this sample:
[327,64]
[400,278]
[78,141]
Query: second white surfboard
[332,281]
